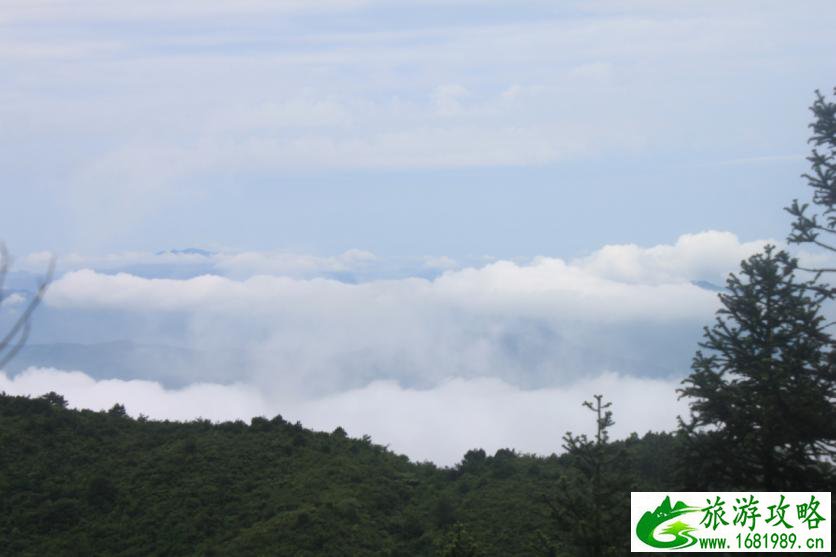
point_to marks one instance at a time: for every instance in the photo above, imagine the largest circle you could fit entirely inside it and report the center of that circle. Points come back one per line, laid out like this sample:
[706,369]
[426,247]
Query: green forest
[85,483]
[761,393]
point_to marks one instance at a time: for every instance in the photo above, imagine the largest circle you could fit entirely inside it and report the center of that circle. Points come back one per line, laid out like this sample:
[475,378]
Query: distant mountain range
[706,285]
[187,251]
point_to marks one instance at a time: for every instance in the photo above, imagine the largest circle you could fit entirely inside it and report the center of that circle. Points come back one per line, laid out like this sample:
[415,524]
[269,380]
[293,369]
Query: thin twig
[22,326]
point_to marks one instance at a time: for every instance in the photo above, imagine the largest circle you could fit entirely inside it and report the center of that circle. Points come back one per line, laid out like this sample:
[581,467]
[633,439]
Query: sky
[442,223]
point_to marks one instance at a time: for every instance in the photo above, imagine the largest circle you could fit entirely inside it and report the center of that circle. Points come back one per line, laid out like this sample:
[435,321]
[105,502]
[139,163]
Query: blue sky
[446,128]
[476,212]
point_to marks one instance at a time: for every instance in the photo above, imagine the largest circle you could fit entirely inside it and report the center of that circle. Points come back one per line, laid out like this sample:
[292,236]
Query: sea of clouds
[492,355]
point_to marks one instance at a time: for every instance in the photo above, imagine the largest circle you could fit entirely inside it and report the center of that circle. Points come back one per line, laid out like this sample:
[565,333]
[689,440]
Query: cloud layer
[431,130]
[493,355]
[117,115]
[438,424]
[533,324]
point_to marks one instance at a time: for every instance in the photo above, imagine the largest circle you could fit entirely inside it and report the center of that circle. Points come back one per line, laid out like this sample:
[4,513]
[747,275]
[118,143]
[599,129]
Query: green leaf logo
[681,532]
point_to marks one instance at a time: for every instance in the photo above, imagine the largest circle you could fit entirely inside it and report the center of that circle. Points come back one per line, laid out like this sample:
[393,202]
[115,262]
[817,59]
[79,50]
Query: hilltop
[87,483]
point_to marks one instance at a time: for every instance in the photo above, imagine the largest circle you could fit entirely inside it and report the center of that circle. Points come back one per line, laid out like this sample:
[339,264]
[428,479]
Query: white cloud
[210,401]
[612,271]
[535,323]
[709,255]
[36,261]
[298,103]
[12,300]
[495,356]
[541,323]
[656,286]
[242,104]
[438,424]
[448,98]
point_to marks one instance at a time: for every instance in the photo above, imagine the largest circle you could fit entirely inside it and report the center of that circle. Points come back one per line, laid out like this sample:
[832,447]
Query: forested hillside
[94,483]
[417,278]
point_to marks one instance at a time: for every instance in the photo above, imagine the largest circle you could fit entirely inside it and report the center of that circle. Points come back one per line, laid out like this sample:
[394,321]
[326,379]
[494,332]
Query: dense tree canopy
[101,483]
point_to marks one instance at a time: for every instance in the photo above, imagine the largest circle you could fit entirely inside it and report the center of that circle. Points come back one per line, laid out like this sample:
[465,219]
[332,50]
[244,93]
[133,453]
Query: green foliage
[592,492]
[118,411]
[459,544]
[102,483]
[55,399]
[762,392]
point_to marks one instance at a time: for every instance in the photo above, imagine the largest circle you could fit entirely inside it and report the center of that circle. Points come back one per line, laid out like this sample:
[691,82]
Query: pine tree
[817,225]
[763,386]
[592,494]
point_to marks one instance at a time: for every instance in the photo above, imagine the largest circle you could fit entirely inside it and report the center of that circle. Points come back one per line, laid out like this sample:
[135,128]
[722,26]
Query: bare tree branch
[14,340]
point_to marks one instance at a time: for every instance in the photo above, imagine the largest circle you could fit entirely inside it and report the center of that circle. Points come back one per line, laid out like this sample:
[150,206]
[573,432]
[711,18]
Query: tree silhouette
[817,225]
[591,493]
[763,384]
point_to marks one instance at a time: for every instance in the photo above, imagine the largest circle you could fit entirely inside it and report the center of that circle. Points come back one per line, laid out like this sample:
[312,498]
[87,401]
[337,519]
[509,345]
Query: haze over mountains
[443,224]
[343,339]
